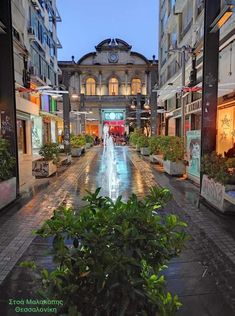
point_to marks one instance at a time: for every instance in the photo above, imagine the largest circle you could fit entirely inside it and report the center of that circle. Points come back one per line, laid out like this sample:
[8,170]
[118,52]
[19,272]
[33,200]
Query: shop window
[90,86]
[135,86]
[113,86]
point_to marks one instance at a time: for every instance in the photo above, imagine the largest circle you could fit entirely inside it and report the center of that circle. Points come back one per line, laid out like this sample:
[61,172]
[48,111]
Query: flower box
[174,168]
[43,168]
[216,194]
[7,192]
[145,151]
[76,152]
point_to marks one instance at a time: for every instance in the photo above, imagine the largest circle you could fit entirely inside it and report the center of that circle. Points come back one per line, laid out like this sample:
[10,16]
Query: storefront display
[36,132]
[226,128]
[194,153]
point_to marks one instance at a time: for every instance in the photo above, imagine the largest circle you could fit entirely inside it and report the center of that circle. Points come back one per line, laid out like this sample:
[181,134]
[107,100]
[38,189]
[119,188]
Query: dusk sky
[85,23]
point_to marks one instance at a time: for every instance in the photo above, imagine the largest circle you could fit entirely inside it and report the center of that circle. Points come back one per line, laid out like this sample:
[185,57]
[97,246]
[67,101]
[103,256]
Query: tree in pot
[172,148]
[110,256]
[218,179]
[155,144]
[143,144]
[134,136]
[48,164]
[7,181]
[77,145]
[89,141]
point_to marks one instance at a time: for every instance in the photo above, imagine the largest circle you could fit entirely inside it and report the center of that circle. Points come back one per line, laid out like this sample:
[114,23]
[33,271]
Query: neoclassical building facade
[105,86]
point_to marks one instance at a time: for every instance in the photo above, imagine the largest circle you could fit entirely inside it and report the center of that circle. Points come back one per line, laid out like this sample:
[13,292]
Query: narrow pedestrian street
[203,275]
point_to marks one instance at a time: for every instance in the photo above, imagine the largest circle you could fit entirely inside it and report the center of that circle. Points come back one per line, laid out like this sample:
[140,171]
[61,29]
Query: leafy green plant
[155,144]
[217,167]
[7,162]
[134,136]
[143,141]
[77,141]
[50,151]
[110,256]
[89,139]
[172,148]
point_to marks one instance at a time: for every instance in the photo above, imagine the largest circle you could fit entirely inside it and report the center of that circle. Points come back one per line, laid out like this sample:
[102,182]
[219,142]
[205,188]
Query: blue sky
[85,23]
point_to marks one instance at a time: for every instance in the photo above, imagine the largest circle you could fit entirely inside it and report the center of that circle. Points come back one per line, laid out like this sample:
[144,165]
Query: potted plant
[172,148]
[89,141]
[7,180]
[77,145]
[155,148]
[109,256]
[47,165]
[134,136]
[218,181]
[143,144]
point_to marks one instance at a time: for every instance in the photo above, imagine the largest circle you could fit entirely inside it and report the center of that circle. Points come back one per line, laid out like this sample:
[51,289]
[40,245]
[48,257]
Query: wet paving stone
[203,275]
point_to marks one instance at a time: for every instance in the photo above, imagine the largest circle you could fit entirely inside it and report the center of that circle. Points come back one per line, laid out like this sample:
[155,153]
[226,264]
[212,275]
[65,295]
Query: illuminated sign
[113,116]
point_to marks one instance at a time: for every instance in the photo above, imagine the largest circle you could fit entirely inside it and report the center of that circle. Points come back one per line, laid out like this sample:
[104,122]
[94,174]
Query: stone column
[210,79]
[126,82]
[8,129]
[138,111]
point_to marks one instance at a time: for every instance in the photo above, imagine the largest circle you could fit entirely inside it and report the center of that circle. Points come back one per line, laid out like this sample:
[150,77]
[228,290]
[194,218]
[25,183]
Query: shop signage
[176,113]
[194,152]
[193,107]
[213,192]
[113,116]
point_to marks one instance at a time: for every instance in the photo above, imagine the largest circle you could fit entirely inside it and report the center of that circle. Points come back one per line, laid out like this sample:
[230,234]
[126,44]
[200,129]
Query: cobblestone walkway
[16,232]
[205,273]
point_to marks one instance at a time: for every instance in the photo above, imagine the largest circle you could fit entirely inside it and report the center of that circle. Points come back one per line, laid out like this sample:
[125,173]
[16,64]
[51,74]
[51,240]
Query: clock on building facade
[113,57]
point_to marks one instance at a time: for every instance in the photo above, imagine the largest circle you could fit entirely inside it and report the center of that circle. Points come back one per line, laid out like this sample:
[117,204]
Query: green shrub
[134,136]
[155,144]
[172,148]
[7,162]
[110,256]
[143,141]
[89,139]
[216,166]
[77,141]
[50,151]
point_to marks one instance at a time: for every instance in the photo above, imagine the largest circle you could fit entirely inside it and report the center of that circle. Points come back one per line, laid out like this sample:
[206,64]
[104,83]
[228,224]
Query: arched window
[90,86]
[135,86]
[113,86]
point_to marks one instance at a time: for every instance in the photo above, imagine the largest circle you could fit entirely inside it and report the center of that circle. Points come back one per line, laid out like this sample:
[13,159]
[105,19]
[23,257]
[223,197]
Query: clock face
[113,57]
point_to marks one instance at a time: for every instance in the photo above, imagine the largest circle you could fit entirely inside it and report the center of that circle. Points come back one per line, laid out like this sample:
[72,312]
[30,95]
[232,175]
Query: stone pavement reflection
[203,275]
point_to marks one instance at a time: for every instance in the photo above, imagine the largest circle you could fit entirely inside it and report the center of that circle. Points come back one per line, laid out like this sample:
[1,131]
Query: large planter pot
[174,168]
[137,148]
[43,169]
[88,145]
[76,152]
[7,192]
[65,159]
[145,151]
[217,195]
